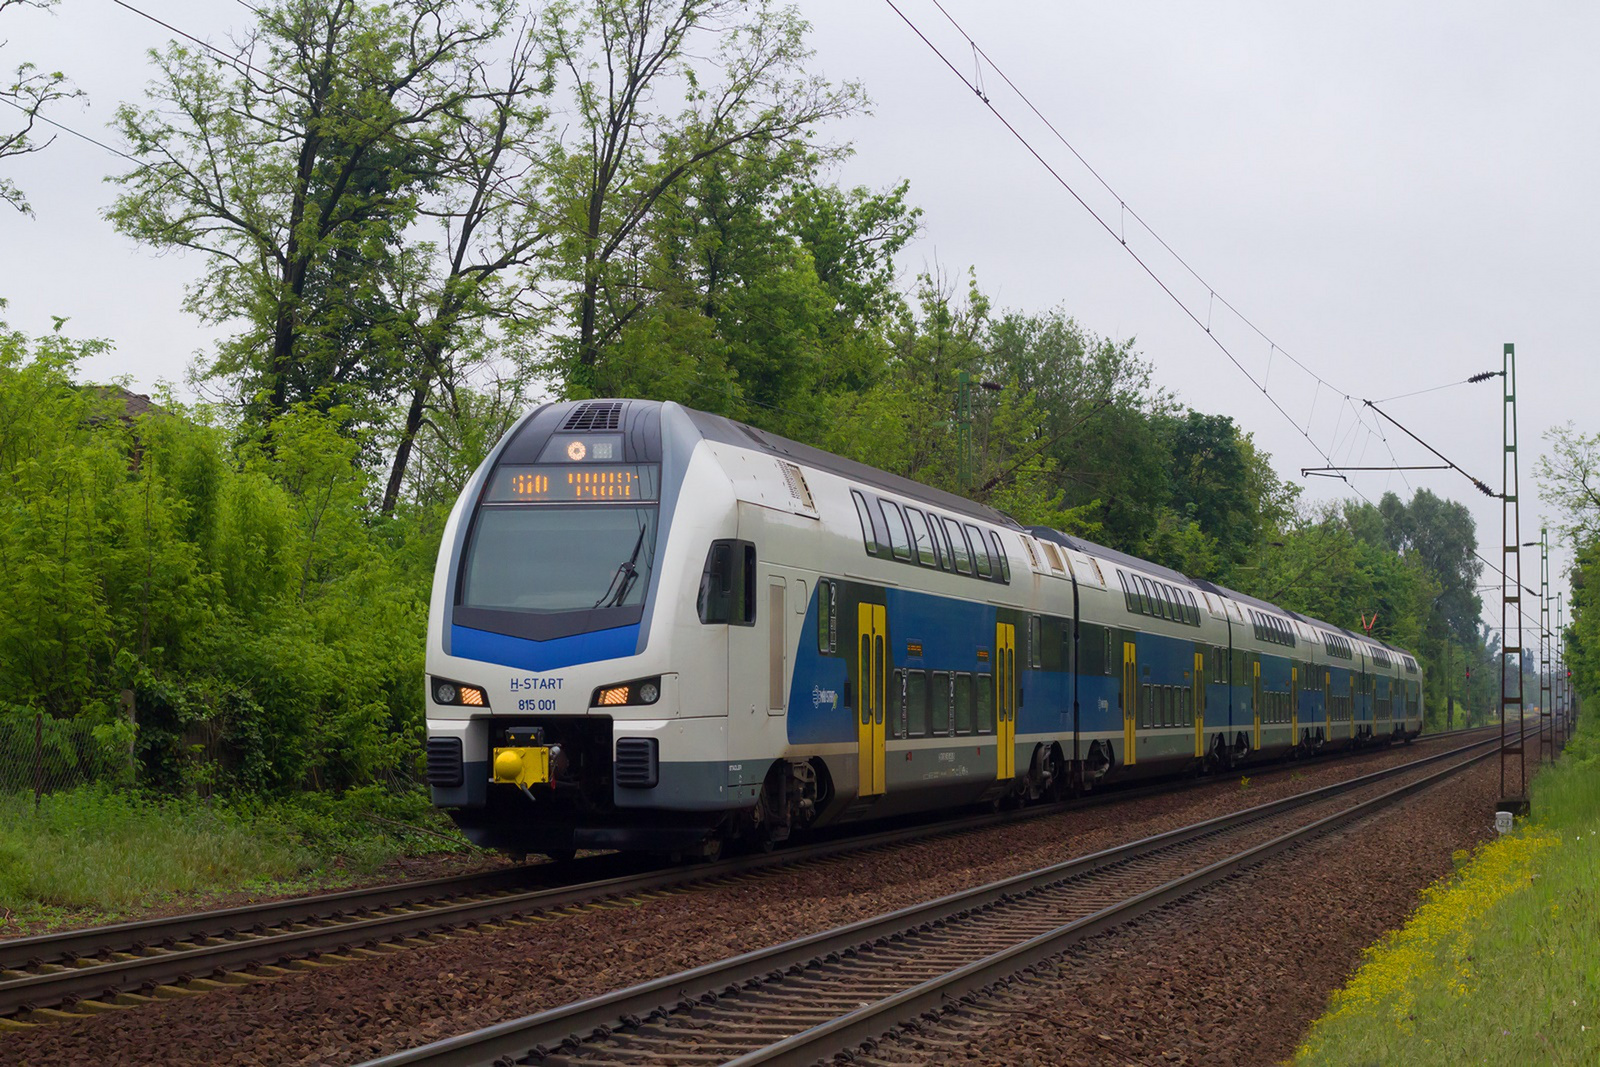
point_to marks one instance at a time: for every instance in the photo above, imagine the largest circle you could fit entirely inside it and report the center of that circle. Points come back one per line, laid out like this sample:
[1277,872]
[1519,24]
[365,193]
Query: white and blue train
[658,629]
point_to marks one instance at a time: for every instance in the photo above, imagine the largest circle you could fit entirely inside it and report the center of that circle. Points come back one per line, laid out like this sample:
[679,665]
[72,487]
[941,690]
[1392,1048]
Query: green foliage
[1498,964]
[1569,479]
[271,637]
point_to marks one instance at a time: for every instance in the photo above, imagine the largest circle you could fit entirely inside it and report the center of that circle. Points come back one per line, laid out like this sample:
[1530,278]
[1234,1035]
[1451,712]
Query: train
[661,630]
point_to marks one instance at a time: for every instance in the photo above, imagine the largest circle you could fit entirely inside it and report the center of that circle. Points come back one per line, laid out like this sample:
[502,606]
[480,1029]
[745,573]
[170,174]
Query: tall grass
[1501,963]
[97,853]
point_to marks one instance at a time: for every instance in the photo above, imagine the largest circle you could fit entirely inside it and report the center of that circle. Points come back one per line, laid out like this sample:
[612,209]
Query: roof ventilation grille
[796,479]
[594,415]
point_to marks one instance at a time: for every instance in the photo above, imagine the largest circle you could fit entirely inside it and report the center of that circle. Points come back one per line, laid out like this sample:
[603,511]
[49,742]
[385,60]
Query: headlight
[643,691]
[456,694]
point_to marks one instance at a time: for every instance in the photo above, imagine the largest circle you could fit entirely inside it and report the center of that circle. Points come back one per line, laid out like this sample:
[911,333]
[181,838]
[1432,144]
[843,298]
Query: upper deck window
[899,539]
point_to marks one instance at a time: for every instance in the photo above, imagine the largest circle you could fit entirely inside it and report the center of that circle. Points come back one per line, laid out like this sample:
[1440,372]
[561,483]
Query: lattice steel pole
[1546,668]
[1511,601]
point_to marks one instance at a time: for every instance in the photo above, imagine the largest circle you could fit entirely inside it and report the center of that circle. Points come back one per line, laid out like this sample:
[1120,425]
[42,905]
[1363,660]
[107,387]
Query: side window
[958,545]
[728,584]
[1144,704]
[899,540]
[1035,640]
[983,698]
[1108,653]
[941,538]
[1147,595]
[827,616]
[999,552]
[980,551]
[917,704]
[1127,592]
[921,538]
[867,536]
[963,722]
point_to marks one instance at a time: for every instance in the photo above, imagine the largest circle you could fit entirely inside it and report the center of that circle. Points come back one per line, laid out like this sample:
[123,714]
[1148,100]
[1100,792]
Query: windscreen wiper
[622,581]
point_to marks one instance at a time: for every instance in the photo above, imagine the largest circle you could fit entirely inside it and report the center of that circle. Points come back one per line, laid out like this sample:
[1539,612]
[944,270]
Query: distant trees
[1569,479]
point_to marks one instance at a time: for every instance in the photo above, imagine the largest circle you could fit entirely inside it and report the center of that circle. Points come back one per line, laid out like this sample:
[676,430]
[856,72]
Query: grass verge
[96,854]
[1501,962]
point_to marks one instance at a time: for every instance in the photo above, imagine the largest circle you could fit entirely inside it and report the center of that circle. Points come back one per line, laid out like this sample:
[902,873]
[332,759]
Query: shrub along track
[829,993]
[512,967]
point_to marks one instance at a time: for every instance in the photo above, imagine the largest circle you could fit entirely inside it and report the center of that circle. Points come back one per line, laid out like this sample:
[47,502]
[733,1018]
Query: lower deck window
[917,704]
[963,704]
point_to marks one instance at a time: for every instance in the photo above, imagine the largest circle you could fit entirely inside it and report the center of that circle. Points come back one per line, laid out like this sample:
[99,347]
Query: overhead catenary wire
[1111,230]
[218,54]
[1475,379]
[1213,296]
[64,128]
[1119,236]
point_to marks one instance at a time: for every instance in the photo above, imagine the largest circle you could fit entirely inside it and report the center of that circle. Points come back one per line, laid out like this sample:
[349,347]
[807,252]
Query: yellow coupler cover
[522,766]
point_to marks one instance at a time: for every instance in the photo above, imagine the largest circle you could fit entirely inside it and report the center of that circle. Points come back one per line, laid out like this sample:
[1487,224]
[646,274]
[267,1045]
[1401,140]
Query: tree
[608,184]
[768,291]
[1569,480]
[29,92]
[1442,535]
[486,207]
[297,172]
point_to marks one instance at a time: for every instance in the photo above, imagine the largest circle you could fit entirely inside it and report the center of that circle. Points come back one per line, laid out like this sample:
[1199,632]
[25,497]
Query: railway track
[77,973]
[839,990]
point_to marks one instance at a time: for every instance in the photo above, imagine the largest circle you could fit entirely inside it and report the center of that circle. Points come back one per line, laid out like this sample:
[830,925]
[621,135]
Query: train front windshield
[547,560]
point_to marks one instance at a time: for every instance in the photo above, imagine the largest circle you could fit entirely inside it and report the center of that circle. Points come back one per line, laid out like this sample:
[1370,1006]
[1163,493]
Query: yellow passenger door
[1130,701]
[872,626]
[1005,702]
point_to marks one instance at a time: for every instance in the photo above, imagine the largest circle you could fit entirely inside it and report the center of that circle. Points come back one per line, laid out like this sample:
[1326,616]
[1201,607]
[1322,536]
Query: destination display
[550,483]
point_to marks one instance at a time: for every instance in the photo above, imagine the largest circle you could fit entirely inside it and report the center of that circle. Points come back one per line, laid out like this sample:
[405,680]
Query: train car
[657,629]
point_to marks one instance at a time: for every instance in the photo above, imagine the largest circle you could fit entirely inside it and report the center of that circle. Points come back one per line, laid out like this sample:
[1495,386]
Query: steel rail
[867,1023]
[547,1032]
[77,965]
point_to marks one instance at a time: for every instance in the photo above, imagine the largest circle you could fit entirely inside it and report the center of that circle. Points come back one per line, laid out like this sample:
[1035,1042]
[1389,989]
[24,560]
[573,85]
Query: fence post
[38,759]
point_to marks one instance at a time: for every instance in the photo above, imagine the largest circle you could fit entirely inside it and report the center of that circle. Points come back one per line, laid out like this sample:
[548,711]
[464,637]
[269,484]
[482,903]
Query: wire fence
[41,754]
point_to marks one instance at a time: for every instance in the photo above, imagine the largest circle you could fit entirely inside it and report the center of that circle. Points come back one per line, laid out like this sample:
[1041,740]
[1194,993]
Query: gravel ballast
[351,1012]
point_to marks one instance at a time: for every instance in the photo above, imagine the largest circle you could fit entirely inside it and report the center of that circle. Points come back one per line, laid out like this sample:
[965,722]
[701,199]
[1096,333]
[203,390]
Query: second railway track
[830,992]
[93,970]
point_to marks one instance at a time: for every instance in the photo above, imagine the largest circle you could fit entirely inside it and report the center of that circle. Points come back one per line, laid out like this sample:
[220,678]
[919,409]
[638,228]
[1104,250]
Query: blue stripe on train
[543,655]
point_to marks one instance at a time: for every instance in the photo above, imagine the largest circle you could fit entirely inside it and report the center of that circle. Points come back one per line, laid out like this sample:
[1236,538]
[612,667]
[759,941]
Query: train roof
[731,431]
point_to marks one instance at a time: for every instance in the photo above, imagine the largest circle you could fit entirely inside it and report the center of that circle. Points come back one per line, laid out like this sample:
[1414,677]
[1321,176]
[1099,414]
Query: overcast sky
[1388,191]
